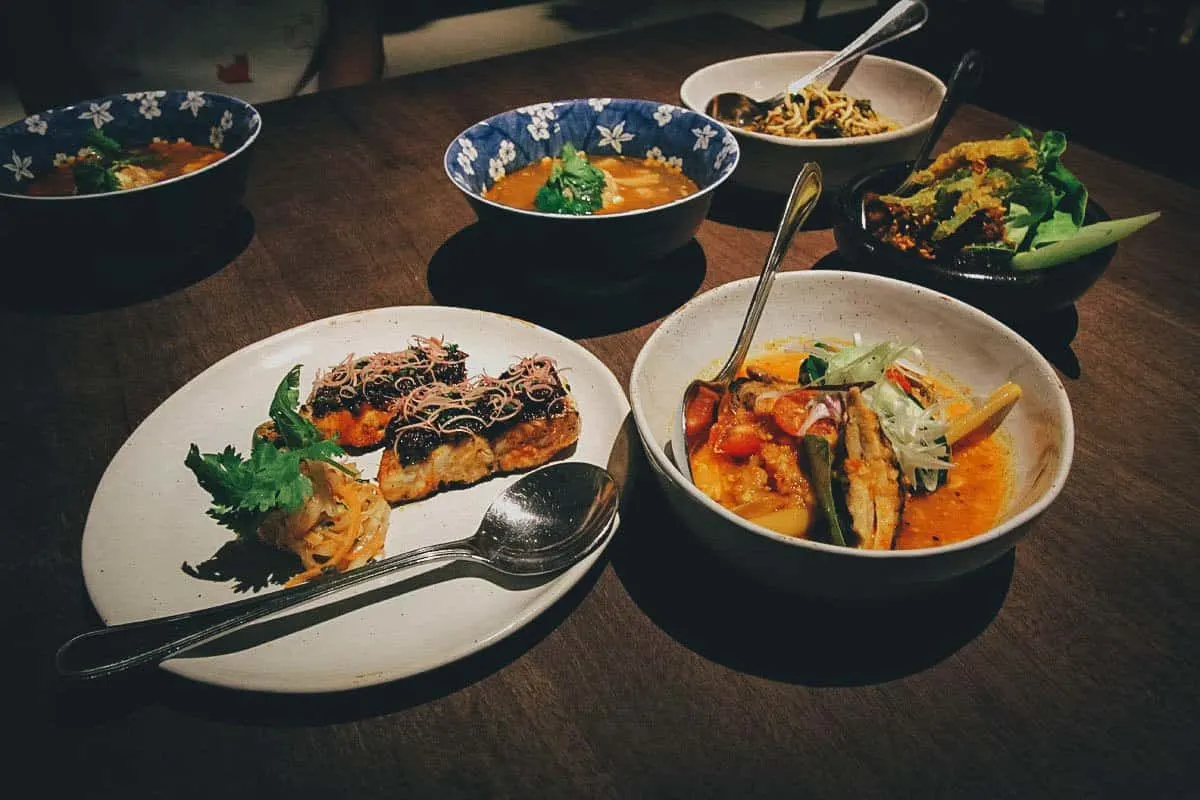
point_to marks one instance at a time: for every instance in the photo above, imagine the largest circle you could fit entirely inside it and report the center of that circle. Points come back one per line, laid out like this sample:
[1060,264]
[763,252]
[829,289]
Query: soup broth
[634,183]
[152,163]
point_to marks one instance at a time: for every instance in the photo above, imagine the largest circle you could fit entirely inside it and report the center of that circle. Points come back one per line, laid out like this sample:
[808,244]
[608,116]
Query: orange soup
[788,453]
[631,184]
[129,168]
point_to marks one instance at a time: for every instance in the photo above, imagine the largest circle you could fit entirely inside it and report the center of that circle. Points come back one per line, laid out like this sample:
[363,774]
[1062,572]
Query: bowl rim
[1003,529]
[920,125]
[586,218]
[237,101]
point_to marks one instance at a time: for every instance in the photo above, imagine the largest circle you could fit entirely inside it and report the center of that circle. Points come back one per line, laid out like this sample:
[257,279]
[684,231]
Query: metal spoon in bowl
[900,20]
[964,80]
[543,523]
[806,190]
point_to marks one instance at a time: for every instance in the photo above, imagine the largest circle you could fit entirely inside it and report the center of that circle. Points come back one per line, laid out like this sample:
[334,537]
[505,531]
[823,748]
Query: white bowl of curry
[914,486]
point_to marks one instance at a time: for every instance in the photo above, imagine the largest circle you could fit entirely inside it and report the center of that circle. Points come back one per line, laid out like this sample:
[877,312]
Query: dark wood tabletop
[1069,668]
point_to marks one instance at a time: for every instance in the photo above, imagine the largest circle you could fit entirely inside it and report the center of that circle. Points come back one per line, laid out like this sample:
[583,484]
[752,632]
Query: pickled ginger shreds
[860,363]
[917,434]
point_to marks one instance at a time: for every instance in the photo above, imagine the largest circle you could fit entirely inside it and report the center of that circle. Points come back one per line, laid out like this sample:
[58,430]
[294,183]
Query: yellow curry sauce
[640,183]
[771,488]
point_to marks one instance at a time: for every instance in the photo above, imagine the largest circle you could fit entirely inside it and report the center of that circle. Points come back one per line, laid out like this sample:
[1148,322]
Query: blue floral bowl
[704,149]
[179,207]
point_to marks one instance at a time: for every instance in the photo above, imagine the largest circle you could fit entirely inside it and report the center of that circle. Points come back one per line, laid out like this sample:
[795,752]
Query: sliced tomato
[899,378]
[701,412]
[791,410]
[739,440]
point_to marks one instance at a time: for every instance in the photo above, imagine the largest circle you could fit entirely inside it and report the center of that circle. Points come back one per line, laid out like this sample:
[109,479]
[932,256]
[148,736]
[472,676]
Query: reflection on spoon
[540,525]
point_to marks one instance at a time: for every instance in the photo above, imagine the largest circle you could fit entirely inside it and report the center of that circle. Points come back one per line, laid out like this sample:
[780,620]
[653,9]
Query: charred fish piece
[354,401]
[445,436]
[874,496]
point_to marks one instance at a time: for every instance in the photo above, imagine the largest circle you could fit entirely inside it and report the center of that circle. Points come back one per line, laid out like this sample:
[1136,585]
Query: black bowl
[983,280]
[167,217]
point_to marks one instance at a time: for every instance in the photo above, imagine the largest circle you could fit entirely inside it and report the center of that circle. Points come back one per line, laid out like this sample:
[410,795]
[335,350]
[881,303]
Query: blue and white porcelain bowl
[181,206]
[704,149]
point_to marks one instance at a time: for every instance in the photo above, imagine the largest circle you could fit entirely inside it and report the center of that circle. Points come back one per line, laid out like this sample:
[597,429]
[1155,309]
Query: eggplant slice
[874,496]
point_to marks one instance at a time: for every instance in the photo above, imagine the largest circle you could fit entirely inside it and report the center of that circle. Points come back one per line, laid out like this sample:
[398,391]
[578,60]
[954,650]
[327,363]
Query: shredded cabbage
[917,435]
[859,363]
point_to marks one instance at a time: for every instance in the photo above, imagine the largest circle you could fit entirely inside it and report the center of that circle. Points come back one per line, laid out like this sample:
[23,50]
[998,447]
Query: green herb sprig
[245,489]
[574,185]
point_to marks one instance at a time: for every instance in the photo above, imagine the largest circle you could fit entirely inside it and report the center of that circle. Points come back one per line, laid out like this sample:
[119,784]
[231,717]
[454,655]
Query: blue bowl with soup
[613,182]
[163,167]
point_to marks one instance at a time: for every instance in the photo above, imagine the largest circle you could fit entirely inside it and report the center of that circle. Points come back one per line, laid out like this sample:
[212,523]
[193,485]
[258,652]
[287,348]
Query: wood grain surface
[1068,669]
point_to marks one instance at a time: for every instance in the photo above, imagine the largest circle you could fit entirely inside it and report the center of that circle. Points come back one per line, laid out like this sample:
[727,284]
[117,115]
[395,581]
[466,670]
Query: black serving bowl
[982,279]
[175,215]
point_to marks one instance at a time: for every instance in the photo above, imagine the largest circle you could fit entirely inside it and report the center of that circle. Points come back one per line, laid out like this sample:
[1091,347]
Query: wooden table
[1068,670]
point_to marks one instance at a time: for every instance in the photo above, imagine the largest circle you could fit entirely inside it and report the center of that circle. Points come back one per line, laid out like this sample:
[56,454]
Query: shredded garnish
[481,402]
[381,377]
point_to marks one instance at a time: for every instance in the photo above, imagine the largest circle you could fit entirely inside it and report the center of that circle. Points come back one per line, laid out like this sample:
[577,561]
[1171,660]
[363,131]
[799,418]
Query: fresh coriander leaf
[92,177]
[574,185]
[102,143]
[295,430]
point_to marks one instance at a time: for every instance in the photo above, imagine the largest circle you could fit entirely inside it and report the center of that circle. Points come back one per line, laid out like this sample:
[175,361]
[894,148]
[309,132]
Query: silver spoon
[962,83]
[806,190]
[543,523]
[900,20]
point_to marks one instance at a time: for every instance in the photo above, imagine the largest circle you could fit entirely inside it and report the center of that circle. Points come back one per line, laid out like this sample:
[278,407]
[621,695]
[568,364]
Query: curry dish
[852,446]
[575,184]
[106,166]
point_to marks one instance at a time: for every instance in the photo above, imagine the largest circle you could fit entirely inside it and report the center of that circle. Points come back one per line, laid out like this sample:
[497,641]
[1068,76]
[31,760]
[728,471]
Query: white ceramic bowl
[896,89]
[979,352]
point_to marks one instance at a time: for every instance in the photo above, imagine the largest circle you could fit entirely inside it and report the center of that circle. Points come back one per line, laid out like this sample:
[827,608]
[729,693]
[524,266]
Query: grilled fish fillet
[874,497]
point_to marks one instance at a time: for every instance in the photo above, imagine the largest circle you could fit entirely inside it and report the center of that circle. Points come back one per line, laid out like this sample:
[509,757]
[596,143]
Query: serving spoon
[962,83]
[900,20]
[542,524]
[806,190]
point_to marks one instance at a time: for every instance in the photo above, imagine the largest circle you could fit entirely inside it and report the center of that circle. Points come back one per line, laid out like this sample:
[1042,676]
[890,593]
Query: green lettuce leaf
[1085,240]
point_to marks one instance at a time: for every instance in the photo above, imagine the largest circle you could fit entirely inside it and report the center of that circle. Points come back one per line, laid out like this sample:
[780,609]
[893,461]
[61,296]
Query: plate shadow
[710,608]
[586,301]
[99,279]
[1051,334]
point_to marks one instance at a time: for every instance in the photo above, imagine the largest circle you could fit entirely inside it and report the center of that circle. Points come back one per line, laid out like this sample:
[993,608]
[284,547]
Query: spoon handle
[901,19]
[117,648]
[806,190]
[961,84]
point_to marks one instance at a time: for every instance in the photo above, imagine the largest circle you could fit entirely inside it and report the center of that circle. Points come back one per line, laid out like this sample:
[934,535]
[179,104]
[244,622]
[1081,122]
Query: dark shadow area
[579,300]
[116,274]
[82,704]
[709,607]
[760,210]
[1050,333]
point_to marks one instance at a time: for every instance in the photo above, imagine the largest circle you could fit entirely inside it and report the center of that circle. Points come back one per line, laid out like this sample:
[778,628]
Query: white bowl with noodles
[900,91]
[956,340]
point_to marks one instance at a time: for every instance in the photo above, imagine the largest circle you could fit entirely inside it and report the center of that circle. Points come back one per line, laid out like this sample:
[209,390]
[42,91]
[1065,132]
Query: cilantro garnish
[245,489]
[574,186]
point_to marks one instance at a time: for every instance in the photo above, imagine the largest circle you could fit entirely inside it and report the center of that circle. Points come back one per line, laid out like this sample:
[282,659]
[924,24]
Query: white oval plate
[147,517]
